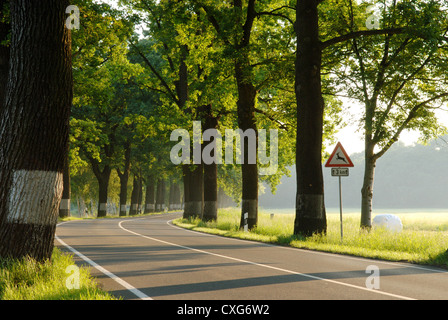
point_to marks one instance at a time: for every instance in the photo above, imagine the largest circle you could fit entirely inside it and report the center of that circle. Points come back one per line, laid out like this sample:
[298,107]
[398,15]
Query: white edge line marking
[263,265]
[339,255]
[117,279]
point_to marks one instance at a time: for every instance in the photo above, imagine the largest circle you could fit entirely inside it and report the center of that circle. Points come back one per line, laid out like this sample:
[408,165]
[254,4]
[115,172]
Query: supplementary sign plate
[339,172]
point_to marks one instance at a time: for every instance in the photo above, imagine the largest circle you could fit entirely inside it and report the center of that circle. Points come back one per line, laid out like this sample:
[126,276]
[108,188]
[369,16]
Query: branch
[281,125]
[162,81]
[397,91]
[356,34]
[247,27]
[272,13]
[412,115]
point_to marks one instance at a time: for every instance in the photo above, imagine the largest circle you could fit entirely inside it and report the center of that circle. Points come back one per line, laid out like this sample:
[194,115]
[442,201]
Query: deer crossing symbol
[338,157]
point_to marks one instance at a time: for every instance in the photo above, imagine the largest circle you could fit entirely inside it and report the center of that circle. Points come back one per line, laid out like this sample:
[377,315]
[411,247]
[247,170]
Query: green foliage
[399,77]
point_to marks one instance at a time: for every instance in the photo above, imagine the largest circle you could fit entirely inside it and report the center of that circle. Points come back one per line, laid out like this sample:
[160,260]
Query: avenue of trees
[87,114]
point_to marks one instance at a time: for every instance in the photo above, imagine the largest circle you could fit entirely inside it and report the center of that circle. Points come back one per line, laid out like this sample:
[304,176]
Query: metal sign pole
[339,162]
[340,205]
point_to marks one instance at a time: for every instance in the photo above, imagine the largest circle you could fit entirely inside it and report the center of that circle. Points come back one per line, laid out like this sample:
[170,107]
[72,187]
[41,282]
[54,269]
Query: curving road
[149,258]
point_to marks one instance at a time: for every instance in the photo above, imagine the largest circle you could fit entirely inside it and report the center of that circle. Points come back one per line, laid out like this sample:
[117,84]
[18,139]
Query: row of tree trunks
[149,195]
[201,180]
[174,197]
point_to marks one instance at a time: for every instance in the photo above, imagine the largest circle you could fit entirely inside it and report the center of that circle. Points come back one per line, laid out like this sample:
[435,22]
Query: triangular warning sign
[339,158]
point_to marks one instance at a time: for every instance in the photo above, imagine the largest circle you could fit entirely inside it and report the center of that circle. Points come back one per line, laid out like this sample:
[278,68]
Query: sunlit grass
[424,238]
[27,279]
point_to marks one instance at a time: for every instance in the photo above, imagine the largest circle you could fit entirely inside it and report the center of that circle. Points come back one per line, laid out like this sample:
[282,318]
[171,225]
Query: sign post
[339,162]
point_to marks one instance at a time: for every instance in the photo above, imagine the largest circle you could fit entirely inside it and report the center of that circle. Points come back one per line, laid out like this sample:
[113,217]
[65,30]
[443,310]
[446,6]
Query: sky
[353,142]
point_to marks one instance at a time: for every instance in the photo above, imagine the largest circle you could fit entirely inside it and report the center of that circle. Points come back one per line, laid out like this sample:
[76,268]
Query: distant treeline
[406,177]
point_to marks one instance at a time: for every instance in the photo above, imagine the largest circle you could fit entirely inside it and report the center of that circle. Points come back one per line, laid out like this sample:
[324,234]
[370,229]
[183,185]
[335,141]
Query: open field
[424,238]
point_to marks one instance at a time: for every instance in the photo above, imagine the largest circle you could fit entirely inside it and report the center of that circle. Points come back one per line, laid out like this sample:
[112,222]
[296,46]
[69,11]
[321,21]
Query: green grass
[424,239]
[27,279]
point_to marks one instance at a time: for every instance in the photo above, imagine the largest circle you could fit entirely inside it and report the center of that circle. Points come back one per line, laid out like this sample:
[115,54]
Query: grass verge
[424,239]
[27,279]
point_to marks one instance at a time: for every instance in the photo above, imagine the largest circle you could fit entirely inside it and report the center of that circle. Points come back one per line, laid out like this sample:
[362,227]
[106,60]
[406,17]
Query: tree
[310,207]
[399,78]
[102,73]
[313,40]
[255,47]
[34,128]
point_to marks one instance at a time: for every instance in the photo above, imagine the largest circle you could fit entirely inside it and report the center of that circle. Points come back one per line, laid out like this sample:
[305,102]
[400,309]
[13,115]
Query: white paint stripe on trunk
[65,204]
[117,279]
[34,197]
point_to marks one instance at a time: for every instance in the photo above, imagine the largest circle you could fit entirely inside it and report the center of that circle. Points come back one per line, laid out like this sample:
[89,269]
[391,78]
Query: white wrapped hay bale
[388,221]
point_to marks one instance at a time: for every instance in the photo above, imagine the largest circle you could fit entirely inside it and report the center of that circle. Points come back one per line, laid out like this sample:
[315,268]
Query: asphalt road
[148,258]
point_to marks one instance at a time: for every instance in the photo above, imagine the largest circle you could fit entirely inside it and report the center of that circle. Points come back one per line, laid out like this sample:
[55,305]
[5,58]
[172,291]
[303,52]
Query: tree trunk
[177,197]
[174,203]
[197,191]
[246,121]
[149,196]
[136,197]
[186,175]
[103,190]
[310,208]
[5,29]
[210,173]
[34,128]
[64,207]
[210,192]
[367,187]
[160,196]
[194,192]
[124,179]
[171,197]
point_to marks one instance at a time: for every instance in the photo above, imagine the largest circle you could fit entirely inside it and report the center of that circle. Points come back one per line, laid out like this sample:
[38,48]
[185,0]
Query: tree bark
[186,175]
[5,29]
[310,208]
[210,192]
[124,179]
[136,197]
[194,194]
[34,128]
[246,117]
[367,187]
[64,208]
[149,195]
[210,173]
[160,196]
[103,191]
[246,121]
[177,197]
